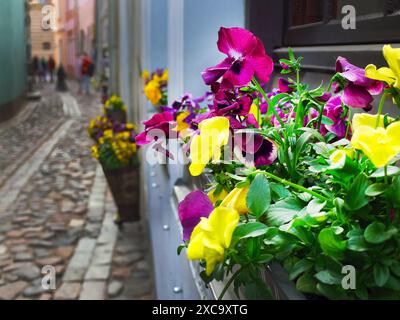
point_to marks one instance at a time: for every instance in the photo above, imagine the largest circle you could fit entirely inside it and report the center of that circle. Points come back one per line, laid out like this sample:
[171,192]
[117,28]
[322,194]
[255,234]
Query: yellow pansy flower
[389,75]
[165,76]
[214,134]
[255,111]
[145,74]
[236,199]
[153,92]
[379,144]
[212,236]
[108,134]
[215,198]
[180,120]
[95,152]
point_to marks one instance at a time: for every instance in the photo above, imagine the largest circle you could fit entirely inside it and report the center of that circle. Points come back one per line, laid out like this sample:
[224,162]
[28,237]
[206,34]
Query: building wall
[75,32]
[13,53]
[40,38]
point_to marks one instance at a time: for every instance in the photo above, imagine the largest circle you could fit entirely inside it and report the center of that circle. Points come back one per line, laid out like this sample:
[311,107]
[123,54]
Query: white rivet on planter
[165,227]
[177,290]
[152,174]
[154,185]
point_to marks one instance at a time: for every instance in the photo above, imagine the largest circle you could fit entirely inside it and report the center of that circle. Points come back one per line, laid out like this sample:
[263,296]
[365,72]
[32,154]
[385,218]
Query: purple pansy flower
[246,58]
[359,89]
[160,121]
[334,111]
[255,150]
[195,206]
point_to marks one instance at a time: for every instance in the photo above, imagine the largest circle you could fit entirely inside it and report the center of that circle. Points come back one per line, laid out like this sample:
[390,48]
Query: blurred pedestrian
[85,69]
[35,69]
[52,68]
[61,79]
[43,69]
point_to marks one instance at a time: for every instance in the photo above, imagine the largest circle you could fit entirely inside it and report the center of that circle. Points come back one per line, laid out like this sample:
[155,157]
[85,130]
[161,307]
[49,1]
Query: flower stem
[386,174]
[378,120]
[294,185]
[260,89]
[234,276]
[348,123]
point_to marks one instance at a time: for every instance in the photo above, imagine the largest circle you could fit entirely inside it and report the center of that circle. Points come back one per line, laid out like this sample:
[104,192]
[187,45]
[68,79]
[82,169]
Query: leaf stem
[234,276]
[378,120]
[294,185]
[260,89]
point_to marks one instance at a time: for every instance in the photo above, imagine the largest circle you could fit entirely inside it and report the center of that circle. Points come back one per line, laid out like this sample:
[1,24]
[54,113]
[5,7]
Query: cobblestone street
[56,210]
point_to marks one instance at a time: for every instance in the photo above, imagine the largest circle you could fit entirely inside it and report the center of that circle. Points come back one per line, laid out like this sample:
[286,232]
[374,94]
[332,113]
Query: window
[320,22]
[46,46]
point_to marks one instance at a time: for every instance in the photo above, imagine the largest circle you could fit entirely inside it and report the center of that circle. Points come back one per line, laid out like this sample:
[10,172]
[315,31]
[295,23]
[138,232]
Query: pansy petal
[392,56]
[240,73]
[263,67]
[213,74]
[382,74]
[356,96]
[236,42]
[195,206]
[224,221]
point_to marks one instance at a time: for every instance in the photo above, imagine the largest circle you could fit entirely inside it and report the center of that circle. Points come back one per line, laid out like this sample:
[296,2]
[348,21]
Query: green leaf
[250,230]
[394,191]
[285,210]
[300,267]
[327,121]
[278,191]
[376,233]
[332,292]
[356,198]
[180,248]
[329,277]
[259,196]
[331,244]
[357,244]
[306,283]
[376,189]
[315,206]
[381,274]
[395,267]
[265,258]
[393,284]
[301,143]
[391,171]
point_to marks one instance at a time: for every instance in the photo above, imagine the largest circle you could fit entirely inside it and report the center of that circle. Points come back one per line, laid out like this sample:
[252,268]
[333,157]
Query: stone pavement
[56,211]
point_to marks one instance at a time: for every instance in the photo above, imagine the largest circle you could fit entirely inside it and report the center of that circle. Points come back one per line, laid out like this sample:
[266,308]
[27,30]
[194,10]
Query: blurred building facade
[42,39]
[75,32]
[14,56]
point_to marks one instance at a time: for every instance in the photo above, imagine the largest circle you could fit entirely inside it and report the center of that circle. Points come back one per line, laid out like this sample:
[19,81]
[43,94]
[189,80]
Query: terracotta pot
[125,188]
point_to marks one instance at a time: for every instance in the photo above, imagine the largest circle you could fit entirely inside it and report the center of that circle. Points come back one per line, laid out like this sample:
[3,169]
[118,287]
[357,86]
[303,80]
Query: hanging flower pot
[124,186]
[116,110]
[116,151]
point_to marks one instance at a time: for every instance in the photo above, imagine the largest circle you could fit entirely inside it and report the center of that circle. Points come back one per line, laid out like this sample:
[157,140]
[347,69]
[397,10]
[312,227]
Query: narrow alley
[56,212]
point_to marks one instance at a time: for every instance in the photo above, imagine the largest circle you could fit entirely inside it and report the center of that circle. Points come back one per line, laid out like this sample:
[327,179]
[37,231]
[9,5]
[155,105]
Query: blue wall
[158,34]
[13,73]
[202,20]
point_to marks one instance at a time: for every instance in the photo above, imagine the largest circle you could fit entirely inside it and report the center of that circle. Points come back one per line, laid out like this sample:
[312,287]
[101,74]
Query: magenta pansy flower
[334,111]
[246,58]
[161,121]
[195,206]
[359,89]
